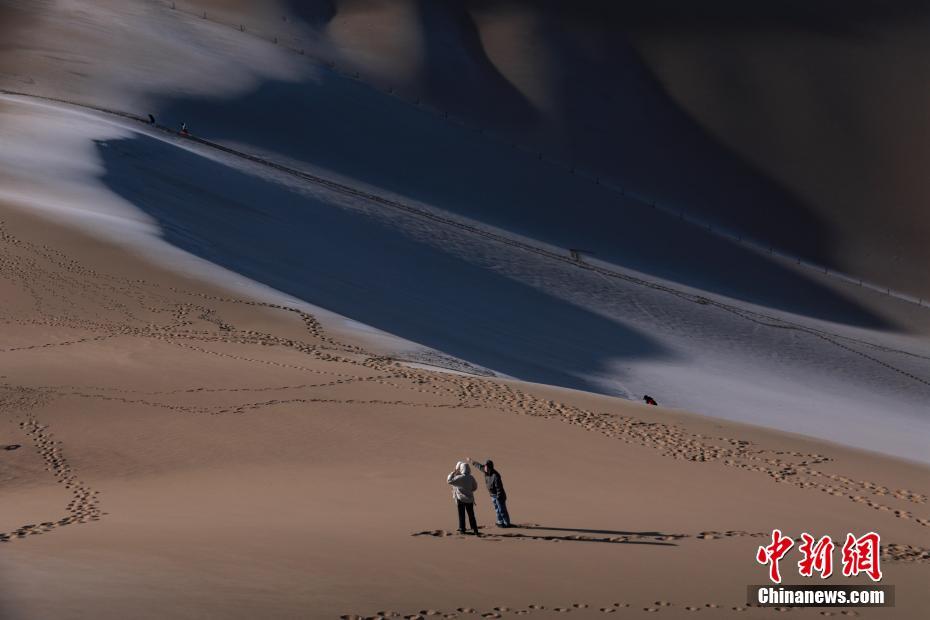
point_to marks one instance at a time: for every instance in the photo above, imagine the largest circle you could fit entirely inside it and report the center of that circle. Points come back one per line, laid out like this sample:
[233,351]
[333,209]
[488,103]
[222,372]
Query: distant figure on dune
[463,492]
[184,131]
[492,480]
[151,120]
[649,400]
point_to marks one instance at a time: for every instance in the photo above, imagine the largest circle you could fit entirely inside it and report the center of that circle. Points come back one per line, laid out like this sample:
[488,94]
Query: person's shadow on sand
[590,531]
[572,535]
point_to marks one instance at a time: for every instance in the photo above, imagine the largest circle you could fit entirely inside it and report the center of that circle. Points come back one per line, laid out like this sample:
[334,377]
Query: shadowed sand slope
[838,117]
[357,266]
[599,107]
[488,298]
[780,123]
[668,100]
[342,126]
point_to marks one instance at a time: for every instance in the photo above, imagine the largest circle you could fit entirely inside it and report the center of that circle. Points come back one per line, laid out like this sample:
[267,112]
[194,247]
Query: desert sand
[236,368]
[190,453]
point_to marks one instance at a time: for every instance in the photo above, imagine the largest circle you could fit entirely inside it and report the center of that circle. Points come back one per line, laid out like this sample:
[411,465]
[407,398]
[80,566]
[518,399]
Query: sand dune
[242,459]
[574,101]
[799,104]
[235,368]
[424,275]
[560,77]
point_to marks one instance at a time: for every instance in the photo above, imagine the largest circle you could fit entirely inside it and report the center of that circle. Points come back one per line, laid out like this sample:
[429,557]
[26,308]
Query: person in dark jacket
[649,400]
[495,485]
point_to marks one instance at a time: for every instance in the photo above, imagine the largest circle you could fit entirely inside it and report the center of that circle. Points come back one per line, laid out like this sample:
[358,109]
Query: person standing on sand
[495,485]
[463,492]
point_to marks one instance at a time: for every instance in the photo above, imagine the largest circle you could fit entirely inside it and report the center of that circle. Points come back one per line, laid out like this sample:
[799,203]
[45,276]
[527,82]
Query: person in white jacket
[464,486]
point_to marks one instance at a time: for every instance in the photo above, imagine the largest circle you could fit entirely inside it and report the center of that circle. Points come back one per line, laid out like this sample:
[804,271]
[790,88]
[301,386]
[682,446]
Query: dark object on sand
[12,446]
[151,120]
[576,254]
[649,400]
